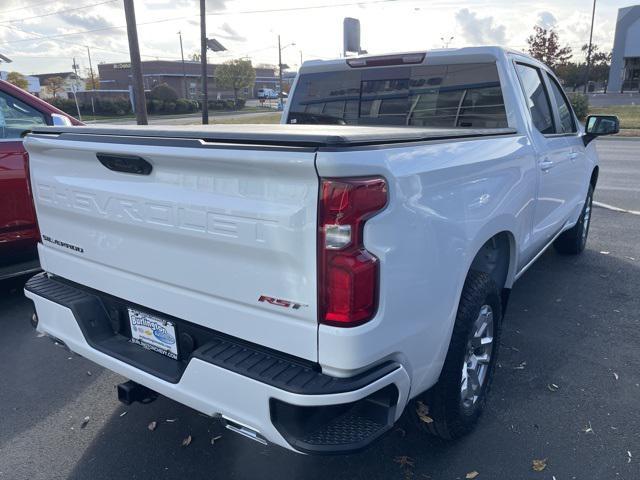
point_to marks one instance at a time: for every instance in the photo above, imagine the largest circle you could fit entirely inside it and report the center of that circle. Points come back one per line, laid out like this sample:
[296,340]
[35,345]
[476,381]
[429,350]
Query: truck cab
[20,112]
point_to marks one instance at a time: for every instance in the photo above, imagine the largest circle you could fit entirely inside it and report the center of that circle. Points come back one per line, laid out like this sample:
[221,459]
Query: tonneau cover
[285,135]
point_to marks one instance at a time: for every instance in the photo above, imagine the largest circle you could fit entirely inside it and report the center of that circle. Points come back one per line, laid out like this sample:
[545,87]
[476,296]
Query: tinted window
[426,96]
[16,117]
[567,124]
[536,97]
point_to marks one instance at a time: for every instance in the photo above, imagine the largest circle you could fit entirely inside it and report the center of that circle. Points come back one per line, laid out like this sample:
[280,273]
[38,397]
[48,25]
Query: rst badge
[280,302]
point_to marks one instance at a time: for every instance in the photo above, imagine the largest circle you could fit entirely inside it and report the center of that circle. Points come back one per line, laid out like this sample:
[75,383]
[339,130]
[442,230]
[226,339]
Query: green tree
[92,83]
[600,63]
[236,75]
[18,80]
[163,92]
[55,85]
[544,45]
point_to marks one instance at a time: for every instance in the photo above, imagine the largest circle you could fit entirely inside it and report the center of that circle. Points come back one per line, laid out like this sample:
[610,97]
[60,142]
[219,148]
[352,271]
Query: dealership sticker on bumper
[153,333]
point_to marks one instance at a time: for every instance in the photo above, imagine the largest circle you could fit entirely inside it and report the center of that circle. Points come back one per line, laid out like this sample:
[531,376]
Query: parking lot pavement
[619,183]
[572,322]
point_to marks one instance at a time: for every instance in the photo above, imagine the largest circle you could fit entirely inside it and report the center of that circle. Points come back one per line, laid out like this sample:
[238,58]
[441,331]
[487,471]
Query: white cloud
[480,31]
[546,20]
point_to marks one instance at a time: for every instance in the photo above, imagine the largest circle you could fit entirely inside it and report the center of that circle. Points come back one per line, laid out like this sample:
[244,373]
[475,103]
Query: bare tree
[55,85]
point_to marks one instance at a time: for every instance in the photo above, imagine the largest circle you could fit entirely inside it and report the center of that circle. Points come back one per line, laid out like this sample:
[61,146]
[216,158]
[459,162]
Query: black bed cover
[282,135]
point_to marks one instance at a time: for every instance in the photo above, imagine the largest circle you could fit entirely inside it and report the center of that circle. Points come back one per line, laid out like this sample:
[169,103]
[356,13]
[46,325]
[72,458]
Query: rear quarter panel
[446,200]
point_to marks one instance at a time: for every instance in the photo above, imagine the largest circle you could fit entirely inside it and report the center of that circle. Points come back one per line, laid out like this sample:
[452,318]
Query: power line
[22,7]
[218,13]
[57,12]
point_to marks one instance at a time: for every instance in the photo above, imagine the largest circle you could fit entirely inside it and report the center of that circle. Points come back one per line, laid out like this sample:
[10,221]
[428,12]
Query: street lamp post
[280,48]
[586,77]
[184,73]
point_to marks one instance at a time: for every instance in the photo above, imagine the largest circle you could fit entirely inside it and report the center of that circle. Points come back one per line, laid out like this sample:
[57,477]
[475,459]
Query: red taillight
[348,273]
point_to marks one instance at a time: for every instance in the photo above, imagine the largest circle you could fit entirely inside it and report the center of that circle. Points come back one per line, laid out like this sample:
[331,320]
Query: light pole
[445,43]
[586,77]
[280,48]
[184,73]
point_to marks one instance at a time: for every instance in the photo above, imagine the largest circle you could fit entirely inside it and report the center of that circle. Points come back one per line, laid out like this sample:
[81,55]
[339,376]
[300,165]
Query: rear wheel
[452,407]
[573,241]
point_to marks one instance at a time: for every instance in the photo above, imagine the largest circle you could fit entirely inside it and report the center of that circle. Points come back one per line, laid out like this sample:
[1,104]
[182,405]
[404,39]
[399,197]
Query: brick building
[117,76]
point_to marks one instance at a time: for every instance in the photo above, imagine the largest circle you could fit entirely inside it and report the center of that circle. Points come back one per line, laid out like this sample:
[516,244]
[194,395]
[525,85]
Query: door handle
[546,165]
[125,163]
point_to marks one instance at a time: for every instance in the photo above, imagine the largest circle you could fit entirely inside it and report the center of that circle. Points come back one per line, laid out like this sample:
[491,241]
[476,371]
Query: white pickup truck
[308,283]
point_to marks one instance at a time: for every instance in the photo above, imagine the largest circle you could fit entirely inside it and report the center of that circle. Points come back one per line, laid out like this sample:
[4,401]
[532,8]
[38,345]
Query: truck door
[580,168]
[555,191]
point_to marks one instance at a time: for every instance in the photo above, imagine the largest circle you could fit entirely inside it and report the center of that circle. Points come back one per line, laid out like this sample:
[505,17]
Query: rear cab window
[440,96]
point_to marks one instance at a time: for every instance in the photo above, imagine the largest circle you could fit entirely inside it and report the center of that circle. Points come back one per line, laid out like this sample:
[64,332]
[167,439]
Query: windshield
[442,96]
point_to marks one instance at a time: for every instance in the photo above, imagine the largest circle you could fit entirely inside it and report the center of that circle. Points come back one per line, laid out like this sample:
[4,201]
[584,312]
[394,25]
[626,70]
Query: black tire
[441,410]
[573,241]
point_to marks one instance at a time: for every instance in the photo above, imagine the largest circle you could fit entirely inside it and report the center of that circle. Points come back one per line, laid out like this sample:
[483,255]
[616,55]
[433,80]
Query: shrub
[182,105]
[580,103]
[240,103]
[163,92]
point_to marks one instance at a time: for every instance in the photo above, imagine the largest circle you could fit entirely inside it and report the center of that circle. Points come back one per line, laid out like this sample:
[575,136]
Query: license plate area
[153,333]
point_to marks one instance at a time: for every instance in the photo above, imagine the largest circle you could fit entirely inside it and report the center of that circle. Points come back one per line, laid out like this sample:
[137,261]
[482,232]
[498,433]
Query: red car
[19,236]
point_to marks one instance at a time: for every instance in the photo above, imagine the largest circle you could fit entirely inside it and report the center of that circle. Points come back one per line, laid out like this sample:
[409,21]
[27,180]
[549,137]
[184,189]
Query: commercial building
[185,78]
[624,75]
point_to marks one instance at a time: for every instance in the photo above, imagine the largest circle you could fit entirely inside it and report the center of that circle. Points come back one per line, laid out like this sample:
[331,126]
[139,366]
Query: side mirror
[599,125]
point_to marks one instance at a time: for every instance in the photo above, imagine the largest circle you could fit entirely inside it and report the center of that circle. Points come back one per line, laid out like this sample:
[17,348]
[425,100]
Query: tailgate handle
[125,163]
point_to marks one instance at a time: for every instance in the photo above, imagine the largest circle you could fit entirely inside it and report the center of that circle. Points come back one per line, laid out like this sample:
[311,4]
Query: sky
[43,36]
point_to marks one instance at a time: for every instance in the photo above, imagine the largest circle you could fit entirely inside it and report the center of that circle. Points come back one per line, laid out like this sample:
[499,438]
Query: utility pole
[75,87]
[93,84]
[184,73]
[203,61]
[586,77]
[136,67]
[281,105]
[93,80]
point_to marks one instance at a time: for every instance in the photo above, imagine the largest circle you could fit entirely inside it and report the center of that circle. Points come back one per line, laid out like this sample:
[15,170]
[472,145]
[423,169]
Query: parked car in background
[20,112]
[308,283]
[267,93]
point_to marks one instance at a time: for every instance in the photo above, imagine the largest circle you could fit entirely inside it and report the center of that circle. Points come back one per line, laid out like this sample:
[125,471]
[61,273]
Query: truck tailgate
[220,235]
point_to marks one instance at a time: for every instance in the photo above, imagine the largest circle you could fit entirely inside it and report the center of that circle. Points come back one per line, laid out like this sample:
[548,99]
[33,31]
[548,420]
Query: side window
[536,97]
[16,117]
[567,124]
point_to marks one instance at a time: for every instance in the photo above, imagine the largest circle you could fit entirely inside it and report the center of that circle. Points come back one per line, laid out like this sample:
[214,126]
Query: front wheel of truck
[451,408]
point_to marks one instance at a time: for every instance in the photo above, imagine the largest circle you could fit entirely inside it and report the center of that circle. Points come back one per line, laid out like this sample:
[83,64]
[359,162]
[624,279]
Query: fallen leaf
[553,387]
[521,366]
[404,461]
[40,335]
[539,465]
[187,441]
[170,420]
[423,412]
[629,456]
[152,426]
[471,475]
[123,414]
[215,439]
[84,422]
[605,253]
[89,373]
[615,375]
[588,429]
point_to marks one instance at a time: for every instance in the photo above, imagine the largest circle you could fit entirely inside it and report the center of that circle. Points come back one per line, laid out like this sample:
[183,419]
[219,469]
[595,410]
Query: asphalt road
[572,322]
[619,182]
